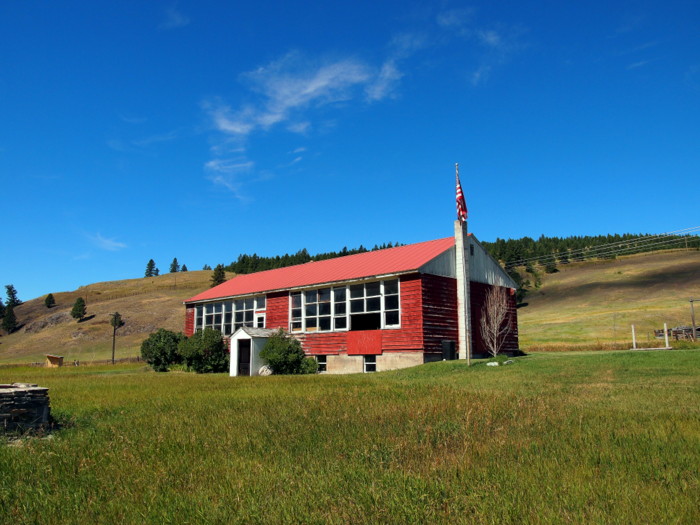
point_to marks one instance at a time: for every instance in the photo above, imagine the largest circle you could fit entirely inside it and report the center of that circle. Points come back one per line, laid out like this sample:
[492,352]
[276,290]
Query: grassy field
[609,437]
[593,304]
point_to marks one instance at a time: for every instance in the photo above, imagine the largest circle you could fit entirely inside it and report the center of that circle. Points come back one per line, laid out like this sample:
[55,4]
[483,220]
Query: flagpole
[462,274]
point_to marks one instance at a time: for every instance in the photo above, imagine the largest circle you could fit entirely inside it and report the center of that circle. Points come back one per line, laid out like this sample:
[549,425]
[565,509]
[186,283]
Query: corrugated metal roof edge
[303,287]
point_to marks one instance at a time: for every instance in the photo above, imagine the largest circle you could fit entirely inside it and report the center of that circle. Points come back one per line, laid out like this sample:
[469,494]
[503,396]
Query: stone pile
[23,406]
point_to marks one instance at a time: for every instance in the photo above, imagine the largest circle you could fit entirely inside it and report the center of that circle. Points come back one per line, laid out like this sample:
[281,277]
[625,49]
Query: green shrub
[284,355]
[205,352]
[161,349]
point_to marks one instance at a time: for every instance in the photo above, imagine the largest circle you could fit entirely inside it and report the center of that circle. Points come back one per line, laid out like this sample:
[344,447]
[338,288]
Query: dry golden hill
[584,305]
[145,304]
[593,304]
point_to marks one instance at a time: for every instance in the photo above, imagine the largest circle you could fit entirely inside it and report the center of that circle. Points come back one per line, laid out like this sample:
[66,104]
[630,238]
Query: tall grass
[611,437]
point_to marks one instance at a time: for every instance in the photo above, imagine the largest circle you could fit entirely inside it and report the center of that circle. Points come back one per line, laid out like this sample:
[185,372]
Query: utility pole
[116,322]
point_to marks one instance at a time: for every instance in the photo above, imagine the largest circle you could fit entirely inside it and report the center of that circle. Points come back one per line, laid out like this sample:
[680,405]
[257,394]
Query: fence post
[666,335]
[634,339]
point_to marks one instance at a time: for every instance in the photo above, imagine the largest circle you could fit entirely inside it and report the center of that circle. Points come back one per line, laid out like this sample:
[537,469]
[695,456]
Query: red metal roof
[359,266]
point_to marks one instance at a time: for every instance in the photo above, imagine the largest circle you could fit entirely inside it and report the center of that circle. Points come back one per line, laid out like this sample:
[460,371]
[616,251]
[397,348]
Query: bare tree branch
[495,320]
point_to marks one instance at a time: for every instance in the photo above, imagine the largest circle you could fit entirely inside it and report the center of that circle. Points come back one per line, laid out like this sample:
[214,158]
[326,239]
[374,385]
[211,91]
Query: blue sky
[202,130]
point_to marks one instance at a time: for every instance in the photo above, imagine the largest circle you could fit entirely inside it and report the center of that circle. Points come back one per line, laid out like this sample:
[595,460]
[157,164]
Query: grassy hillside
[593,304]
[145,305]
[599,437]
[584,305]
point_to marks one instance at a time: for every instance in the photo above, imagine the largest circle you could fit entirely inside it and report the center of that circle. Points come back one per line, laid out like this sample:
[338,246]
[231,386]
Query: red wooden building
[373,311]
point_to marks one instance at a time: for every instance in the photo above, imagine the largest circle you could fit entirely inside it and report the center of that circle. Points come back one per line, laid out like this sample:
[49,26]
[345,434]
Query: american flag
[461,203]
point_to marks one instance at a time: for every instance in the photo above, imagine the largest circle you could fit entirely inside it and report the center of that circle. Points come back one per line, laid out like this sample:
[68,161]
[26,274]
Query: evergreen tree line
[255,263]
[153,271]
[550,251]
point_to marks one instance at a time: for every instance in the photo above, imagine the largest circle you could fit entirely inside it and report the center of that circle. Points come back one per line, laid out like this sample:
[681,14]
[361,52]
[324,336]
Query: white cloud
[173,19]
[636,65]
[456,19]
[385,83]
[480,75]
[300,127]
[229,165]
[106,244]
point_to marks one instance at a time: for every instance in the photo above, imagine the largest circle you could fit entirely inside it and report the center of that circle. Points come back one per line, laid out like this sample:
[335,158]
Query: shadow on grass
[86,318]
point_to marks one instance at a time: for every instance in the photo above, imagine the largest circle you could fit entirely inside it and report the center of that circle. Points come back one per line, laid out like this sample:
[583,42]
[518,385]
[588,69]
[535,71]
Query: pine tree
[79,309]
[9,321]
[218,276]
[206,267]
[12,299]
[156,272]
[150,268]
[50,301]
[2,309]
[174,266]
[184,268]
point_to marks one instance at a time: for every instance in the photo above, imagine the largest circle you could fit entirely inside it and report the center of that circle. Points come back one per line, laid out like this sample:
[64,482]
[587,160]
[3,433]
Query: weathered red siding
[277,311]
[439,311]
[478,293]
[189,320]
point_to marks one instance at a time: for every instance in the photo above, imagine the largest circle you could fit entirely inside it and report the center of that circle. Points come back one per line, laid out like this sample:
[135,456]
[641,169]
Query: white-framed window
[369,363]
[322,361]
[368,305]
[229,316]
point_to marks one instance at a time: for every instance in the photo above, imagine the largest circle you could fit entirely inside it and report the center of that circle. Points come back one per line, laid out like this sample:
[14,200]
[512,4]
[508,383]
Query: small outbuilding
[53,361]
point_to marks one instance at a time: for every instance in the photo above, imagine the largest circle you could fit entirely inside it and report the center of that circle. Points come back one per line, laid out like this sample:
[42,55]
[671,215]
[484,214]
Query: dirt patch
[52,320]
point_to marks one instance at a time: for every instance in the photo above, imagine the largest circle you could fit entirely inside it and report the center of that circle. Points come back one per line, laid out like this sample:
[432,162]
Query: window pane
[260,302]
[249,303]
[372,289]
[311,309]
[296,326]
[339,309]
[391,302]
[239,317]
[311,296]
[324,309]
[392,318]
[341,323]
[239,304]
[311,323]
[248,317]
[296,300]
[296,313]
[227,329]
[227,318]
[339,294]
[209,308]
[370,367]
[324,323]
[324,295]
[391,287]
[218,307]
[357,290]
[357,305]
[373,304]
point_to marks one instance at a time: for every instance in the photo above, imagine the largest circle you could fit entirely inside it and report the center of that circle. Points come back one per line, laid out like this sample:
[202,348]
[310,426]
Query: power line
[617,247]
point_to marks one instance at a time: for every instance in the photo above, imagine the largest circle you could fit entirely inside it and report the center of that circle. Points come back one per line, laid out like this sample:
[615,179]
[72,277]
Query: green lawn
[609,437]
